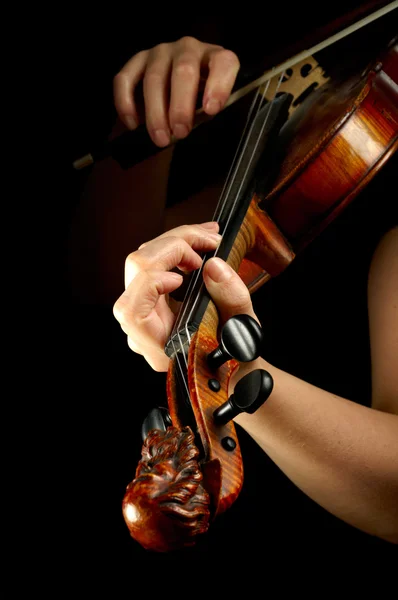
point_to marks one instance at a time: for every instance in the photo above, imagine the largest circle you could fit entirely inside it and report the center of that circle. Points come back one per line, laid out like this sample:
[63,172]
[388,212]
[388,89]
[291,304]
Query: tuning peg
[250,393]
[157,418]
[241,339]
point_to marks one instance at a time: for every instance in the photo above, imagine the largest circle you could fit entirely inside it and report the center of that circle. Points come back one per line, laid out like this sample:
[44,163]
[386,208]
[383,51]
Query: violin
[293,174]
[121,176]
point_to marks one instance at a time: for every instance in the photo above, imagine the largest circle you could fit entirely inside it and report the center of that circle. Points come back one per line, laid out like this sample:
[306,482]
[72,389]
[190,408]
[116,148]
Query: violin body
[329,150]
[335,144]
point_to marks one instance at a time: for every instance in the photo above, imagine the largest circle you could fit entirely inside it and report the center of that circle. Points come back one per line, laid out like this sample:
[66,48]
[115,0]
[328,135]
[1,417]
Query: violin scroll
[166,506]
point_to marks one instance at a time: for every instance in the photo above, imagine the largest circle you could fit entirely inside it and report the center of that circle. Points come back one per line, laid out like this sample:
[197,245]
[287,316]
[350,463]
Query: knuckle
[120,311]
[118,78]
[195,230]
[141,54]
[177,249]
[186,231]
[188,41]
[177,246]
[135,263]
[175,240]
[132,345]
[133,260]
[130,66]
[189,234]
[186,66]
[227,57]
[160,49]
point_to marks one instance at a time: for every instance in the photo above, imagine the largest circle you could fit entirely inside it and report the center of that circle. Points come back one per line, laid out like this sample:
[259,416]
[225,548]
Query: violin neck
[253,161]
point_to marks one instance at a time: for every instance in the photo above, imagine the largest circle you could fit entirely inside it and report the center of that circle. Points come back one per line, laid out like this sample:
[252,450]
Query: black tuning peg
[157,418]
[250,393]
[241,339]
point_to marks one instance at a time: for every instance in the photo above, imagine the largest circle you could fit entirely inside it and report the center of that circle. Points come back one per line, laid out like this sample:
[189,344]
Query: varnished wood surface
[345,136]
[229,471]
[268,251]
[228,479]
[166,506]
[331,171]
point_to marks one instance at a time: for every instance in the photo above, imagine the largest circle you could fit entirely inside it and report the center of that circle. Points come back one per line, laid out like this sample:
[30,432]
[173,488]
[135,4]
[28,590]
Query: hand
[144,310]
[174,70]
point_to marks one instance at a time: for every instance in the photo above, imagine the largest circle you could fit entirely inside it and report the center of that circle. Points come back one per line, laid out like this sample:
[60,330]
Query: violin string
[178,351]
[237,194]
[235,169]
[226,191]
[252,156]
[221,208]
[231,174]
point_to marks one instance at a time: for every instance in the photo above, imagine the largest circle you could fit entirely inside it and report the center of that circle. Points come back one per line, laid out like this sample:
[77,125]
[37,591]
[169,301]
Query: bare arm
[383,323]
[341,454]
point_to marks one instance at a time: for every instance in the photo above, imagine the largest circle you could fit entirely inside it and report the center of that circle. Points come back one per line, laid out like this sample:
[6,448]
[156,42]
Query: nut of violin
[166,506]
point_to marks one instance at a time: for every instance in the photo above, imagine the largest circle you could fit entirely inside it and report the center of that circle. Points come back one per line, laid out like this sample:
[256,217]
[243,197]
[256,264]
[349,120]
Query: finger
[223,68]
[164,254]
[135,311]
[159,361]
[156,90]
[190,233]
[124,85]
[227,289]
[185,78]
[211,226]
[202,237]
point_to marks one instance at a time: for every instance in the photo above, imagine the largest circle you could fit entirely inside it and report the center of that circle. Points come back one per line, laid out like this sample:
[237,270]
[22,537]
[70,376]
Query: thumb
[227,290]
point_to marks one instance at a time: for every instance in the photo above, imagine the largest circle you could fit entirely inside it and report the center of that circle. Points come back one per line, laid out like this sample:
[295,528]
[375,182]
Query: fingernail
[218,270]
[162,138]
[180,131]
[209,225]
[130,122]
[212,106]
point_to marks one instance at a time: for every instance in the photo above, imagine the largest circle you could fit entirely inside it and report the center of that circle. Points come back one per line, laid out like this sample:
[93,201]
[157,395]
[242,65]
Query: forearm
[342,455]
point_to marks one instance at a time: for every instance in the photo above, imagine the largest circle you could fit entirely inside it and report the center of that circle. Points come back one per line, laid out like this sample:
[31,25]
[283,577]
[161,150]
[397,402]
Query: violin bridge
[299,80]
